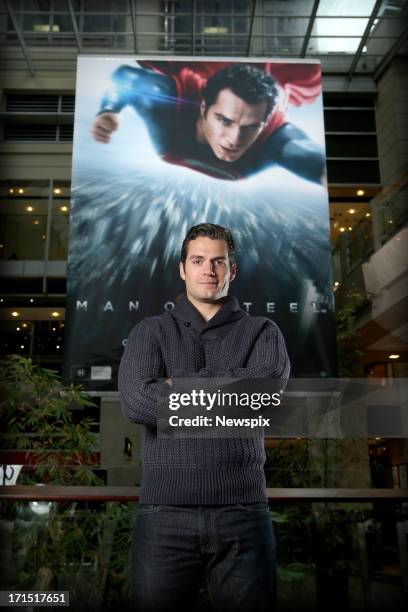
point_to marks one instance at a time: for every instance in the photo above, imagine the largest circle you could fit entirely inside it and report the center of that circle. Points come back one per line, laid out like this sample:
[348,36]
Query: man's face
[230,125]
[207,271]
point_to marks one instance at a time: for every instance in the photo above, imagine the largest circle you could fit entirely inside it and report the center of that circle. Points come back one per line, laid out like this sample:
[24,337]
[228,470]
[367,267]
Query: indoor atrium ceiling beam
[20,37]
[309,28]
[75,25]
[387,59]
[193,26]
[251,28]
[132,8]
[364,38]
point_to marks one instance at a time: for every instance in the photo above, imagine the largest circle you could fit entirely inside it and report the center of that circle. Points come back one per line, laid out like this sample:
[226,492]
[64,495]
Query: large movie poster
[161,145]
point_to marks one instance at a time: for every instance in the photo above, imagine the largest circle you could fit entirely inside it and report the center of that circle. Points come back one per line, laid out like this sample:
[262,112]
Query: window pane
[23,220]
[34,5]
[283,7]
[352,171]
[346,7]
[360,243]
[60,222]
[349,121]
[333,44]
[333,99]
[351,146]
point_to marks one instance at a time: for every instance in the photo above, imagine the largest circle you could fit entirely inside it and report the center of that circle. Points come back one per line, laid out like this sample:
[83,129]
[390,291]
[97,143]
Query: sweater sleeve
[141,381]
[269,358]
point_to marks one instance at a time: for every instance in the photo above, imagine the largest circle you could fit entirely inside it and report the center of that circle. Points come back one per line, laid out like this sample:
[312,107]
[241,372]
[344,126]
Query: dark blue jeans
[233,547]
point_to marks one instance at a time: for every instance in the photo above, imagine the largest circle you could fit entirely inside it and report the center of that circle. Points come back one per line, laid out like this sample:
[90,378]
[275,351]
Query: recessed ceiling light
[64,208]
[29,208]
[360,192]
[368,214]
[31,300]
[24,324]
[336,284]
[15,313]
[342,229]
[352,211]
[57,190]
[393,356]
[21,191]
[55,314]
[11,190]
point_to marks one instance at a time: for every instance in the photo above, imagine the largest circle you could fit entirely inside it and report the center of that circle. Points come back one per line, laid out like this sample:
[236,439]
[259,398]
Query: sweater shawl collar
[188,315]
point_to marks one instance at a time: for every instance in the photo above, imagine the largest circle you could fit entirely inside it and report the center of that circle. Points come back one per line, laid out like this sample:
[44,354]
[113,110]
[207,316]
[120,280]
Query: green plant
[314,537]
[36,416]
[70,545]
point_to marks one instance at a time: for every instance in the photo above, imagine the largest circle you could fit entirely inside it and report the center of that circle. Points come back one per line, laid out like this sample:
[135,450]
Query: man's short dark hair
[247,82]
[210,230]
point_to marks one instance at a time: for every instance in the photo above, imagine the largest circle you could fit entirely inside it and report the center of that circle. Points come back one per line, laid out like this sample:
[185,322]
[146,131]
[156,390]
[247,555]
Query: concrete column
[122,469]
[392,123]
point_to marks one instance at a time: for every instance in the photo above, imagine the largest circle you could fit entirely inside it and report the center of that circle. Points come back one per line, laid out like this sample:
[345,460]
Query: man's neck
[206,309]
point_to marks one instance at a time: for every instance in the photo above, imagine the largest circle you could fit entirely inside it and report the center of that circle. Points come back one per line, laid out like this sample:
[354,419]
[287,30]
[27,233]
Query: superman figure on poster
[227,122]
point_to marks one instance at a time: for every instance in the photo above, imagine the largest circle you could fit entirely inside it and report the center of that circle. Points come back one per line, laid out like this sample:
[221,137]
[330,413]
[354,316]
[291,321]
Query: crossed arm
[143,379]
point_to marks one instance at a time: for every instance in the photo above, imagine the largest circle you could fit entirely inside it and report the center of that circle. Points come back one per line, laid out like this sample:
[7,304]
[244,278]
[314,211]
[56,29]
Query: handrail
[131,494]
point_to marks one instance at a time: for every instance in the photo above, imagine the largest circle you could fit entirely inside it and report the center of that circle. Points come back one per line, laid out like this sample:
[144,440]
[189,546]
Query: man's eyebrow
[221,116]
[256,124]
[202,257]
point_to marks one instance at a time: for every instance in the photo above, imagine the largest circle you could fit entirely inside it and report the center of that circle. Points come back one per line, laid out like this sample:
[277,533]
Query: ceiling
[349,37]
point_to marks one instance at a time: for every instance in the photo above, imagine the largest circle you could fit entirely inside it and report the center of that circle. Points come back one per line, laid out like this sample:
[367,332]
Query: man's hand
[103,126]
[168,381]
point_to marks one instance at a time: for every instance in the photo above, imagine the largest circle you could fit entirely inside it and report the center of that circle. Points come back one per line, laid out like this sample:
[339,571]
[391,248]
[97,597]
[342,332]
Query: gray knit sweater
[180,344]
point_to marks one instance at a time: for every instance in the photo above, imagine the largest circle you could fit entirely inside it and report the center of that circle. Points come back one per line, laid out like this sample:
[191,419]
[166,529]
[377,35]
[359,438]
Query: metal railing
[131,494]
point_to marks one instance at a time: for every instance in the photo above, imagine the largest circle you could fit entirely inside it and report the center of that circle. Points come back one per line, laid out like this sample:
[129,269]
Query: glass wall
[393,213]
[42,341]
[23,213]
[24,220]
[360,244]
[59,221]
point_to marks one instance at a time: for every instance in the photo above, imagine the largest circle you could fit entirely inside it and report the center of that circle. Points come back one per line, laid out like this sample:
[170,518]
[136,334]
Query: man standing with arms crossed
[203,506]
